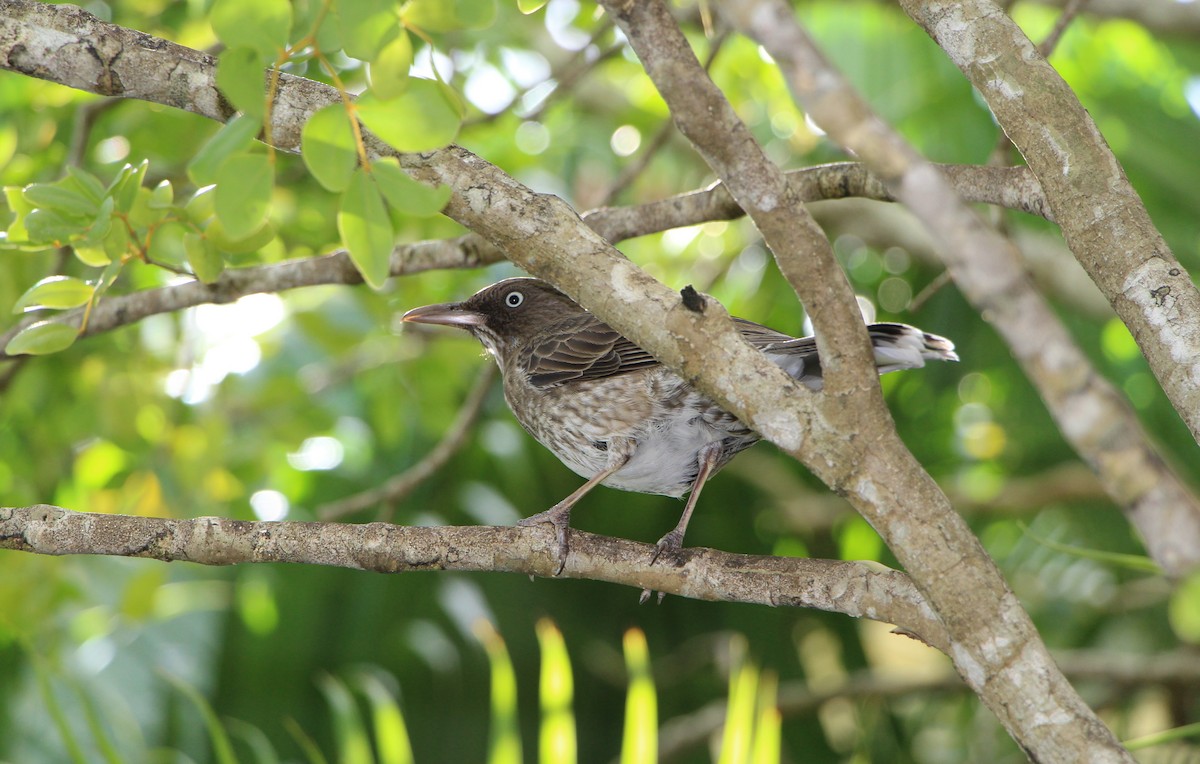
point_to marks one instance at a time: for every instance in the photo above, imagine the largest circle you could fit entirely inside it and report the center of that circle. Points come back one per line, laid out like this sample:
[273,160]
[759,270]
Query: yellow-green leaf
[366,229]
[1184,609]
[57,292]
[236,135]
[530,6]
[327,147]
[244,185]
[203,257]
[422,118]
[225,243]
[388,73]
[263,25]
[449,15]
[404,193]
[42,338]
[240,77]
[367,25]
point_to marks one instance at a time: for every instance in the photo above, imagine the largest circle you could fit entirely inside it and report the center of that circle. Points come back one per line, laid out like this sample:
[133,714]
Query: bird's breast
[668,421]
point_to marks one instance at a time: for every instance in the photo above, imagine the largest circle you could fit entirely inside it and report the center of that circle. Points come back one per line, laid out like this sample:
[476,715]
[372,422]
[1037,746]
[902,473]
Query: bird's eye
[514,299]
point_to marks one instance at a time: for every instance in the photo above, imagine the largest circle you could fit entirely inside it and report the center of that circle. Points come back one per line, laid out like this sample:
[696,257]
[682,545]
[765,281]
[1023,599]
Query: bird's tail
[900,346]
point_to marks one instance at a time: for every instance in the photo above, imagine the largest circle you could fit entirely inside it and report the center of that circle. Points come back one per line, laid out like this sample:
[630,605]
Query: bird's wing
[580,348]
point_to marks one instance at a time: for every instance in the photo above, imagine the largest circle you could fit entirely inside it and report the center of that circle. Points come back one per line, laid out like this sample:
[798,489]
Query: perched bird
[614,414]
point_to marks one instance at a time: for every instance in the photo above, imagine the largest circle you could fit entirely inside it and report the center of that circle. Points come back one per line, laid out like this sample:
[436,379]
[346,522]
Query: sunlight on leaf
[640,742]
[504,737]
[556,740]
[353,744]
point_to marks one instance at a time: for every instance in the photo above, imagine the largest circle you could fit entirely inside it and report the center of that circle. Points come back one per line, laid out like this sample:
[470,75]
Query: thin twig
[394,490]
[1072,9]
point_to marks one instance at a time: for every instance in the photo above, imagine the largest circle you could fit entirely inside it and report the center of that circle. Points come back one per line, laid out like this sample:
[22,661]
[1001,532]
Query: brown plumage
[611,412]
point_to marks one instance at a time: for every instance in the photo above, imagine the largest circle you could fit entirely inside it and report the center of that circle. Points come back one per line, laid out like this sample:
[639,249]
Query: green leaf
[91,254]
[15,197]
[240,77]
[57,292]
[327,146]
[530,6]
[422,118]
[42,338]
[367,25]
[504,733]
[263,25]
[61,198]
[353,744]
[52,227]
[391,735]
[244,185]
[236,135]
[366,229]
[202,205]
[225,243]
[202,255]
[1183,609]
[404,193]
[449,15]
[126,185]
[388,73]
[640,742]
[162,197]
[87,183]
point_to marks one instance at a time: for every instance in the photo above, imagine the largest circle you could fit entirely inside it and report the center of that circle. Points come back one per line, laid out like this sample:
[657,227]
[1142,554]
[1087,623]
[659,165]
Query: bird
[611,412]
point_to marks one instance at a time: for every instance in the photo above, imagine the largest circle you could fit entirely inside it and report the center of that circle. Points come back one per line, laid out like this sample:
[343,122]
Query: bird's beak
[447,314]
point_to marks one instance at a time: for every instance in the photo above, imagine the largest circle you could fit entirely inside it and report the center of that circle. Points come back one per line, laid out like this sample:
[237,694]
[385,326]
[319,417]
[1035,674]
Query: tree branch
[1100,213]
[1094,418]
[1012,187]
[853,588]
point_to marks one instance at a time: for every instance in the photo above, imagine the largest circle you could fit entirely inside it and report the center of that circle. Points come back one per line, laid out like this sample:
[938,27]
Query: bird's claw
[670,544]
[559,517]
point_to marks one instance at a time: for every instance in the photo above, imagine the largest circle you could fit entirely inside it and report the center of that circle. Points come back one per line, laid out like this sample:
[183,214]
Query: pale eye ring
[514,299]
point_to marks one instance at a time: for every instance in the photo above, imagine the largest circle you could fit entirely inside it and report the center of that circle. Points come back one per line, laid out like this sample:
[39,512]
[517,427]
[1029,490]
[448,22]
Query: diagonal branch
[1095,419]
[853,588]
[997,650]
[1101,216]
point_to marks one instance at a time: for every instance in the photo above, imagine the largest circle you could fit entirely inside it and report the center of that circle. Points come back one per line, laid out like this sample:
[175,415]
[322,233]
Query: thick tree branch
[856,589]
[1100,213]
[997,650]
[987,269]
[1094,418]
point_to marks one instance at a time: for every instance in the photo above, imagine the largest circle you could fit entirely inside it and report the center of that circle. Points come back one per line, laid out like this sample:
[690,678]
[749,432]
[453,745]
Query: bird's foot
[558,516]
[670,545]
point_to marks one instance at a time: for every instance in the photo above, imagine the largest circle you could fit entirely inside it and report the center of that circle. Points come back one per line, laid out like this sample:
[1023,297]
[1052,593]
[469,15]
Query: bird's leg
[559,515]
[706,461]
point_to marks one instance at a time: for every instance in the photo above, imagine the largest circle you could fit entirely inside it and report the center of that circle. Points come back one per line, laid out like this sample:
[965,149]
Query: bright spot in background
[812,126]
[532,137]
[222,338]
[560,17]
[526,67]
[111,150]
[269,505]
[1191,91]
[488,89]
[425,59]
[320,453]
[625,140]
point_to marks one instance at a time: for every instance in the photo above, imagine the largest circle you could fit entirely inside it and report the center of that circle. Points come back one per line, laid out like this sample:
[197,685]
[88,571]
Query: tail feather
[900,346]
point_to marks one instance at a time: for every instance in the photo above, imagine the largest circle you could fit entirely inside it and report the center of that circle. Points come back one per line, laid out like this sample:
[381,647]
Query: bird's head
[503,314]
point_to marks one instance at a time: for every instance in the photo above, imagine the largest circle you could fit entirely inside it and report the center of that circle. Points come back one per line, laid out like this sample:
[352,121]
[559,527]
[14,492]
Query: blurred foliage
[276,405]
